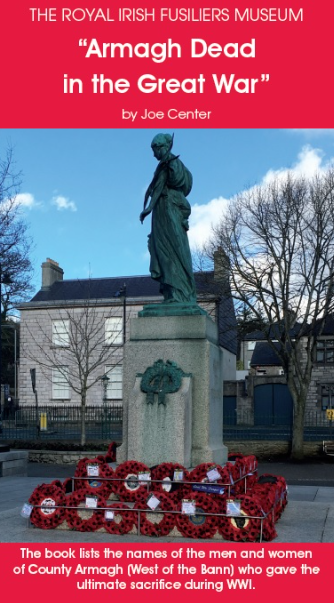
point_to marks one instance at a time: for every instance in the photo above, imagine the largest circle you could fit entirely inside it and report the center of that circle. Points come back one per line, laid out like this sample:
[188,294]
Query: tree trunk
[299,403]
[83,419]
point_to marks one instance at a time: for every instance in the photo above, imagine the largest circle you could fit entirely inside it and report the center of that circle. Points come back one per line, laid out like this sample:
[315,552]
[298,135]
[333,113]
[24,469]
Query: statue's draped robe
[168,243]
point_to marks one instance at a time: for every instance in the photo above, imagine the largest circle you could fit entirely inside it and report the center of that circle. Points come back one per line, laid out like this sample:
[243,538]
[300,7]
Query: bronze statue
[168,242]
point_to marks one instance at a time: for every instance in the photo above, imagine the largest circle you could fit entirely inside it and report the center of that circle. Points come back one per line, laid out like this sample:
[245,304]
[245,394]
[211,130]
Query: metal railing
[64,423]
[269,426]
[104,422]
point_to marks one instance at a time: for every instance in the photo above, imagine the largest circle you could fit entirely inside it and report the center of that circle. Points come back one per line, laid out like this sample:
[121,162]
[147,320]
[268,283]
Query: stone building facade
[109,303]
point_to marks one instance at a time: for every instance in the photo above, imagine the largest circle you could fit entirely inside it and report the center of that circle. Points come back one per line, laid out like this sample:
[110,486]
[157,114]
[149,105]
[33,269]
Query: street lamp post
[104,380]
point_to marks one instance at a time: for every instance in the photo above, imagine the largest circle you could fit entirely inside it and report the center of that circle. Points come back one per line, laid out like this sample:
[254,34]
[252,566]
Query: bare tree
[15,244]
[76,345]
[277,244]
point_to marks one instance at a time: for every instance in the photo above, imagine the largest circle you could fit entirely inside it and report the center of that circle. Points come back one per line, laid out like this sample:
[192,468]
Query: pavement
[308,517]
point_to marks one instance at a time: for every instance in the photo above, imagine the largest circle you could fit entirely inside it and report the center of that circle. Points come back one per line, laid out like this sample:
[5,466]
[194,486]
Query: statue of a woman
[168,242]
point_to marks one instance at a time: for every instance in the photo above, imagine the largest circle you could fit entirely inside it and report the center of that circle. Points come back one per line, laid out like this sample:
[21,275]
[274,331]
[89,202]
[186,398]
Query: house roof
[98,288]
[274,332]
[264,355]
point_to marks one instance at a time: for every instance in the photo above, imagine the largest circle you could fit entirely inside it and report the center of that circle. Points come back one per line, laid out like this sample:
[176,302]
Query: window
[60,332]
[327,396]
[325,351]
[114,330]
[251,345]
[115,383]
[60,386]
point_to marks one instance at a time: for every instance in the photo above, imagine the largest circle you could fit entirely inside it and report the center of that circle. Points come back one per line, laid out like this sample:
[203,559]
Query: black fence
[63,423]
[105,423]
[245,425]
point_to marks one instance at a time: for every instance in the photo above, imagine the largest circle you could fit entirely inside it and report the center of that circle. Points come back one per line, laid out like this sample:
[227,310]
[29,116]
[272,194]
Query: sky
[82,190]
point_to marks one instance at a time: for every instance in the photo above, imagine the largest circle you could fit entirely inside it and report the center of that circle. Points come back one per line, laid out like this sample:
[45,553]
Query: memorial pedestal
[188,427]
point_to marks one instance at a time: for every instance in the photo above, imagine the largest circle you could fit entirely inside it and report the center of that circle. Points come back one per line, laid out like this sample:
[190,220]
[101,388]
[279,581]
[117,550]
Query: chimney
[221,266]
[51,273]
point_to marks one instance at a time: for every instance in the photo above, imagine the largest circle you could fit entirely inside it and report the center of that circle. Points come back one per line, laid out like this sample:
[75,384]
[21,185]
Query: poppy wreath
[123,521]
[94,485]
[128,487]
[245,528]
[48,516]
[164,473]
[81,518]
[198,525]
[153,523]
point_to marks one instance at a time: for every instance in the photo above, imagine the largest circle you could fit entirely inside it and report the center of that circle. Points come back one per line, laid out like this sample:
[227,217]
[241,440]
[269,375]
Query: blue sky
[82,190]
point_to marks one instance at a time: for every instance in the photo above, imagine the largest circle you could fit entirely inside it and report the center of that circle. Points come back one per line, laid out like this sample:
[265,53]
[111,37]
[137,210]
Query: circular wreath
[198,525]
[245,528]
[50,510]
[94,485]
[164,474]
[157,524]
[127,486]
[81,518]
[162,378]
[123,522]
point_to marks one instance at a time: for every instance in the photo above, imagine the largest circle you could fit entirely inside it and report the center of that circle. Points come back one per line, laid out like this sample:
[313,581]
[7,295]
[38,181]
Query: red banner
[257,573]
[144,64]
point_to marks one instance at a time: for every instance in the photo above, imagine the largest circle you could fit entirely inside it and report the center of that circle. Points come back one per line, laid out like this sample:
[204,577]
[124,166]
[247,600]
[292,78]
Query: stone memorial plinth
[187,427]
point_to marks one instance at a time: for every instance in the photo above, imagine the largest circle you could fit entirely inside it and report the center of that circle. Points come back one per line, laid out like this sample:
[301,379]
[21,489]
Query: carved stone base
[192,343]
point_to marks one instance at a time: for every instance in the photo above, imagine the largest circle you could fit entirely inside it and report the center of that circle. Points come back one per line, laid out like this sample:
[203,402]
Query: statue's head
[161,145]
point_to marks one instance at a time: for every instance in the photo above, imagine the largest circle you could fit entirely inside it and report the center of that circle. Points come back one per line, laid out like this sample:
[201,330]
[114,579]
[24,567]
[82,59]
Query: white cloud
[21,201]
[26,200]
[202,218]
[309,162]
[63,203]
